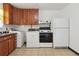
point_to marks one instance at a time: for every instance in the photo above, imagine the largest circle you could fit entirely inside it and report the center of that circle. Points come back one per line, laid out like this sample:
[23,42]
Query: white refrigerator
[60,28]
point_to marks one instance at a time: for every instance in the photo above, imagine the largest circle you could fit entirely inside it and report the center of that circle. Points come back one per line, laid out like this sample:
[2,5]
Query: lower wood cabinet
[14,42]
[4,48]
[7,44]
[10,45]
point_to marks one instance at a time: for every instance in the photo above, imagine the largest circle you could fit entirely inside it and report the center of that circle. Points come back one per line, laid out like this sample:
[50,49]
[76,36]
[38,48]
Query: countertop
[5,34]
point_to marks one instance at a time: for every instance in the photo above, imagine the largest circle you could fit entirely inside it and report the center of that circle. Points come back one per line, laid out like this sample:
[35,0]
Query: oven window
[46,37]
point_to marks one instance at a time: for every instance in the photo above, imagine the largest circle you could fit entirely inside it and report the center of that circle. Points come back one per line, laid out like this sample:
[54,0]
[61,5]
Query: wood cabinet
[1,53]
[3,47]
[13,37]
[8,13]
[21,17]
[10,44]
[25,16]
[7,44]
[17,16]
[33,16]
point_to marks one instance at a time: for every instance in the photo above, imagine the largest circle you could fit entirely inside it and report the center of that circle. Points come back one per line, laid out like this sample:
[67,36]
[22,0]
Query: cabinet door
[20,17]
[5,47]
[11,45]
[14,41]
[1,49]
[11,14]
[60,38]
[8,10]
[16,16]
[26,17]
[6,13]
[33,16]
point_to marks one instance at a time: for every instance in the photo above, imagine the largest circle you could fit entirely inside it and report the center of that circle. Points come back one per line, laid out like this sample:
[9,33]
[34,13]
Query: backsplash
[2,29]
[20,27]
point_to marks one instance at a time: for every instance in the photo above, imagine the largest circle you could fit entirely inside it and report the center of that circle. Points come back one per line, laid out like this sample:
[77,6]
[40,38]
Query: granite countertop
[5,34]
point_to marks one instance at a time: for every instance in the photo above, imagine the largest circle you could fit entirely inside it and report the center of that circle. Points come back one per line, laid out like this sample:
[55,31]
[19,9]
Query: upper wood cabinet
[17,16]
[33,16]
[8,13]
[26,17]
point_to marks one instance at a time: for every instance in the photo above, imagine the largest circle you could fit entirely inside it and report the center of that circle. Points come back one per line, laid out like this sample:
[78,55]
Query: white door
[60,38]
[60,22]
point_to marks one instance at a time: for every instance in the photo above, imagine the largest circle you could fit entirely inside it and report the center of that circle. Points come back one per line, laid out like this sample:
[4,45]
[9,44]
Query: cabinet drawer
[7,37]
[46,44]
[13,35]
[32,45]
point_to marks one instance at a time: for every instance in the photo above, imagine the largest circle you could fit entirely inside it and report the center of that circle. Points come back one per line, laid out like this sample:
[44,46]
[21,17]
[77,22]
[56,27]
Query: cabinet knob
[10,36]
[5,38]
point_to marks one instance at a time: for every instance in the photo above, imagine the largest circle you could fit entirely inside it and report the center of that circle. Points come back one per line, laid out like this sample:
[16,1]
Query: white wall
[1,14]
[47,15]
[72,10]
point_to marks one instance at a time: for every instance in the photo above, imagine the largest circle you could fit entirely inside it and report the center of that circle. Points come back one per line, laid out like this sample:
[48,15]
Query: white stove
[46,38]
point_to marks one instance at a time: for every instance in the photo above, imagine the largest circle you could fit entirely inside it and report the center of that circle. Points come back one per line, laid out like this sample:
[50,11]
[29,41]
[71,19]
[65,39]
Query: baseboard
[61,47]
[73,51]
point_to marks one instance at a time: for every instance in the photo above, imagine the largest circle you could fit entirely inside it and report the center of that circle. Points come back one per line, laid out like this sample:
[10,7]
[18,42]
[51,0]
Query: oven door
[46,37]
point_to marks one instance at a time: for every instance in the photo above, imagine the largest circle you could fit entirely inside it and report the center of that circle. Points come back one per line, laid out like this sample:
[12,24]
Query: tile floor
[42,52]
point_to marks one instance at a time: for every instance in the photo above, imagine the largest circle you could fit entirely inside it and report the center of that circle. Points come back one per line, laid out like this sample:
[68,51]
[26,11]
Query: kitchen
[33,26]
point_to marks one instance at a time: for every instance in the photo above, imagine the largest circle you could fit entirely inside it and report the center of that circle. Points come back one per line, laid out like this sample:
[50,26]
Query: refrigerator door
[60,38]
[60,22]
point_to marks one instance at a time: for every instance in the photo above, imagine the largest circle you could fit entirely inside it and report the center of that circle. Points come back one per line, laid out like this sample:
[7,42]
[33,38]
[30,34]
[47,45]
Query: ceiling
[42,6]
